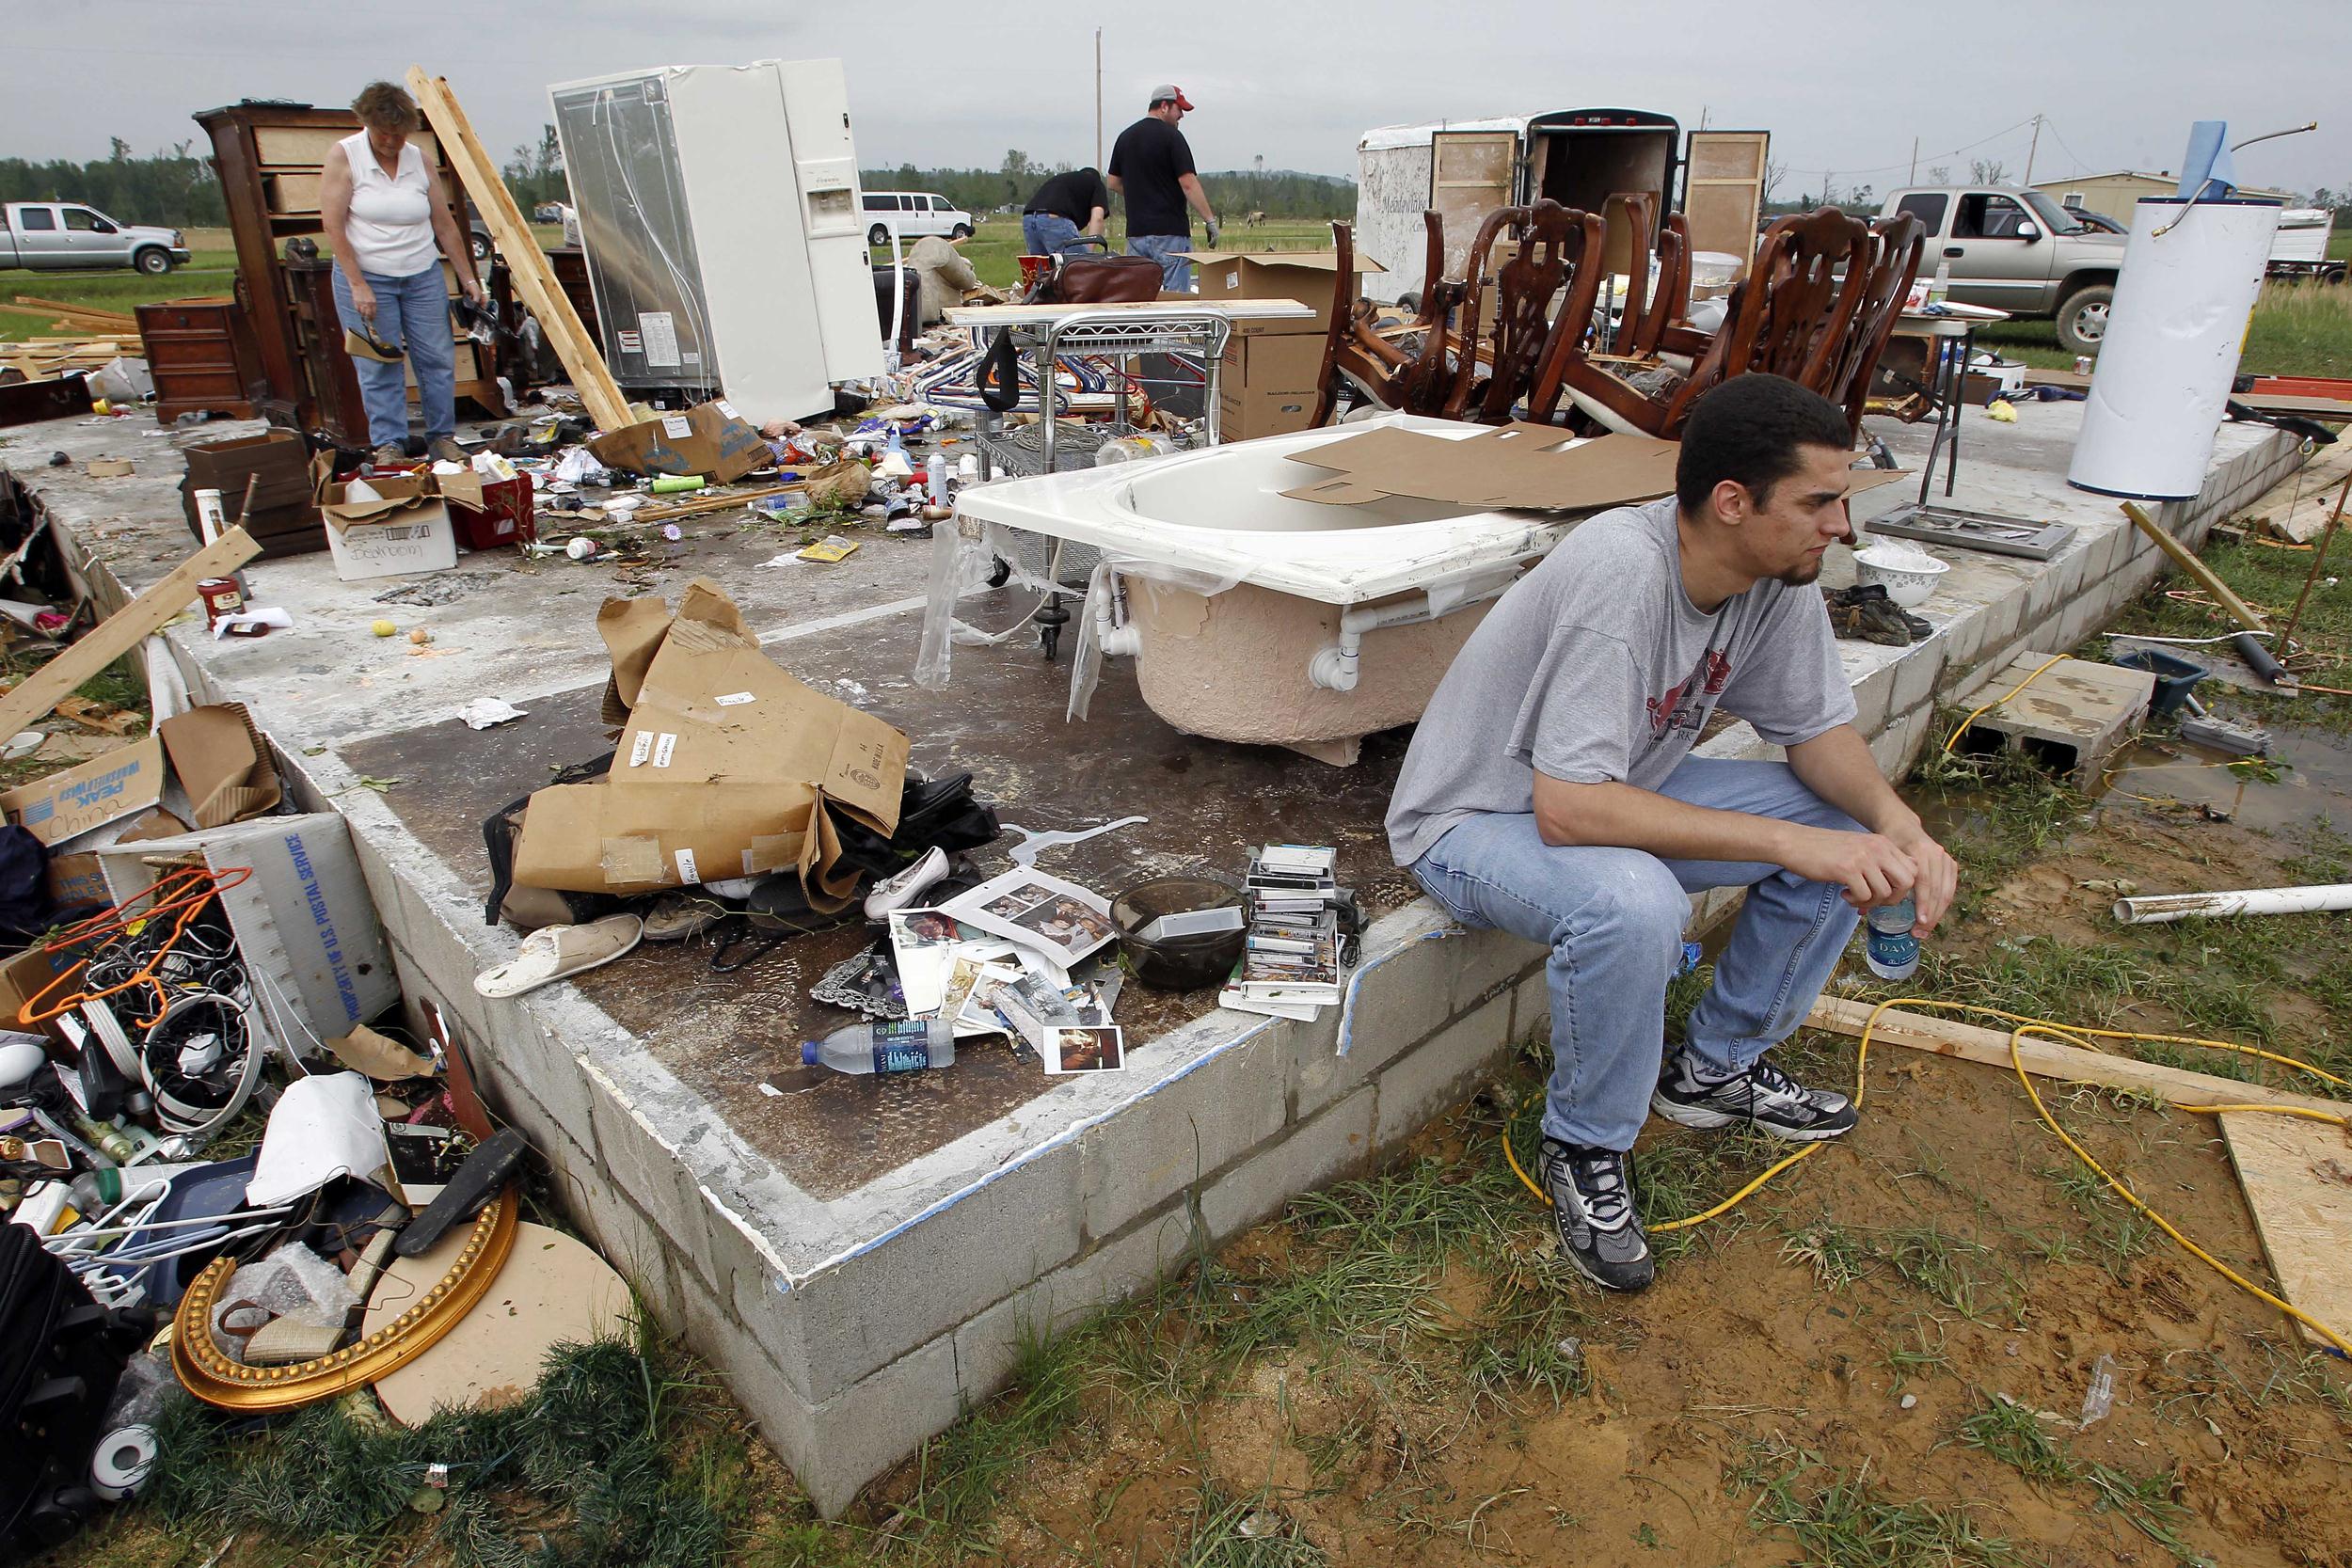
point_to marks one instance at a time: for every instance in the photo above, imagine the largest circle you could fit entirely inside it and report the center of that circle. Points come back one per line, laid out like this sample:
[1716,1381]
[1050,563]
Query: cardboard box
[725,766]
[407,529]
[1308,277]
[109,785]
[303,920]
[487,513]
[710,438]
[219,757]
[1267,385]
[22,978]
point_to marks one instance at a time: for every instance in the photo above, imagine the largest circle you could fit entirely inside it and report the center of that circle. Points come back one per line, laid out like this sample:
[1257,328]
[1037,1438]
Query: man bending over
[1550,791]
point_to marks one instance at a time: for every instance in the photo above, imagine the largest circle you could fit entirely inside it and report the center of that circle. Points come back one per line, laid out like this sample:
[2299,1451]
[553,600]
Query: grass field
[213,272]
[2298,329]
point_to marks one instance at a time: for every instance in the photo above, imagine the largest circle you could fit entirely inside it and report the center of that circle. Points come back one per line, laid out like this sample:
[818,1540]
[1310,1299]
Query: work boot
[1866,613]
[444,449]
[392,454]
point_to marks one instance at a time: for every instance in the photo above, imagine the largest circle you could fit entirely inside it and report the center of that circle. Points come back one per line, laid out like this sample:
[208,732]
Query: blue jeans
[1613,920]
[1050,234]
[1168,250]
[414,313]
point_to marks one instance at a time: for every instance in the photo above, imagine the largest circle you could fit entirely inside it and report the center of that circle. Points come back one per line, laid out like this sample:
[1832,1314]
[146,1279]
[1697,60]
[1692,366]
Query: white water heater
[2191,272]
[720,211]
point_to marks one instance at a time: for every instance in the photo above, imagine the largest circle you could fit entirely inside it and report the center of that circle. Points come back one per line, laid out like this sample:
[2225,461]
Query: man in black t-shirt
[1072,203]
[1151,167]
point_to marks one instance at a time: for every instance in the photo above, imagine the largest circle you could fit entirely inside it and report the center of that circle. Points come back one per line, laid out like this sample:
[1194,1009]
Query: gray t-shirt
[1596,668]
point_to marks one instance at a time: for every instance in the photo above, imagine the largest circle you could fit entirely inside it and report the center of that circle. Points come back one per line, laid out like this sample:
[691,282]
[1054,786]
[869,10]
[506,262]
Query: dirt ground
[1826,1374]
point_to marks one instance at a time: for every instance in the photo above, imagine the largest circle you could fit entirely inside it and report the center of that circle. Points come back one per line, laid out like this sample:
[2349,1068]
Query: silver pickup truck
[54,236]
[2019,251]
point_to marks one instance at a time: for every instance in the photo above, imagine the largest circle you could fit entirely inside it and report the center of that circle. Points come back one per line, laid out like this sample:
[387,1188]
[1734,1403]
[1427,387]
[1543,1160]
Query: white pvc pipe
[2270,900]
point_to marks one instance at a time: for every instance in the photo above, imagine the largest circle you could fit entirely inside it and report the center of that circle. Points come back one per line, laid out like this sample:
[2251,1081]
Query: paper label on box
[734,698]
[677,426]
[660,337]
[686,871]
[640,749]
[663,750]
[1232,280]
[725,407]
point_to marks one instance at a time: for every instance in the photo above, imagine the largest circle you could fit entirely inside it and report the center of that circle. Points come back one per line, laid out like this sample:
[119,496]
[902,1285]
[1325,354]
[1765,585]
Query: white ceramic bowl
[1910,585]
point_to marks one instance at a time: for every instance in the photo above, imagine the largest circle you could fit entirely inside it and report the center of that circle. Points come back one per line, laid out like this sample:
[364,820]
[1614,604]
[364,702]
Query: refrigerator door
[621,157]
[833,217]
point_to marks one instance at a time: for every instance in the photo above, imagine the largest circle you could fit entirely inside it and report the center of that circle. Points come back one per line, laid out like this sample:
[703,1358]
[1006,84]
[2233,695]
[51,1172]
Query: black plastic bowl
[1178,963]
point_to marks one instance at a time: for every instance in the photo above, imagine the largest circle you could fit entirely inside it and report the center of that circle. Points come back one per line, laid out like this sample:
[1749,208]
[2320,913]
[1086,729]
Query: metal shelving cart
[1044,334]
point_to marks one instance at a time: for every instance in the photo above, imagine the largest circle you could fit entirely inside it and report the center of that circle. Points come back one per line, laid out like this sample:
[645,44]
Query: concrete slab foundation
[861,1260]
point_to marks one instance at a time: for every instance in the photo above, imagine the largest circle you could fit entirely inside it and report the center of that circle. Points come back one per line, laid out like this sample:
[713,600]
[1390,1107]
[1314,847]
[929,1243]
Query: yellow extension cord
[2065,1035]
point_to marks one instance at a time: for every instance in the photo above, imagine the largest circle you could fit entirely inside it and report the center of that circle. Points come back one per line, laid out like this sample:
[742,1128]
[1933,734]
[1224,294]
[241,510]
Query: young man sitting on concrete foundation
[1550,791]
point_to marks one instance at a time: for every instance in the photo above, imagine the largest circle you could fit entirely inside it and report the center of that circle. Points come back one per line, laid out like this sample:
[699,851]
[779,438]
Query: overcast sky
[1844,87]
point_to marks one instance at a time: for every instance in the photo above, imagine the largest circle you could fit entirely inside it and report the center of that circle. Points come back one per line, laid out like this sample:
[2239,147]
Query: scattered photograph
[1090,1050]
[1060,920]
[1065,923]
[911,928]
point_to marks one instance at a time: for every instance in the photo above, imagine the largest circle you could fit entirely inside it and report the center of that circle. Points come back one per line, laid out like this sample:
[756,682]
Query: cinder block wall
[848,1366]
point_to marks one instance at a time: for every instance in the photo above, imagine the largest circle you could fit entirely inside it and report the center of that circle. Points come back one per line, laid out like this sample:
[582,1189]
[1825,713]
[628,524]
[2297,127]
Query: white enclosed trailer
[1465,168]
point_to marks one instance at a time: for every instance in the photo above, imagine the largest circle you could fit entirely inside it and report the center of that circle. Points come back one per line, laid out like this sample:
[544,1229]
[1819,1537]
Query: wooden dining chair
[1557,248]
[1415,376]
[1900,243]
[1789,316]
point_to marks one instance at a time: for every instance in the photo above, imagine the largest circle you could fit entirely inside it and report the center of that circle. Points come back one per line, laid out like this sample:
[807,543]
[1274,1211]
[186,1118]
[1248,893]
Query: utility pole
[1914,163]
[1098,97]
[1829,183]
[2030,148]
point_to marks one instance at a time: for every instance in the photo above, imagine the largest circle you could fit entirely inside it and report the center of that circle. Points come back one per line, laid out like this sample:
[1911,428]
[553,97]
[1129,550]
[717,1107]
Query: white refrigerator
[725,240]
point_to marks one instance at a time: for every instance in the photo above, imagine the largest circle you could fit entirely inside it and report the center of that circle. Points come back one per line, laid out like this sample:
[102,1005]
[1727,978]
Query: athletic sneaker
[1592,1206]
[1763,1097]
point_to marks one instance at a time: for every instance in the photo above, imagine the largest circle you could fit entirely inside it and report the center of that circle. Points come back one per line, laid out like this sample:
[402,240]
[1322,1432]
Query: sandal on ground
[559,952]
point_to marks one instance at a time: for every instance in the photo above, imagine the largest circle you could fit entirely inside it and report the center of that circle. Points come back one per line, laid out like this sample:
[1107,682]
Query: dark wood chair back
[1900,243]
[1559,248]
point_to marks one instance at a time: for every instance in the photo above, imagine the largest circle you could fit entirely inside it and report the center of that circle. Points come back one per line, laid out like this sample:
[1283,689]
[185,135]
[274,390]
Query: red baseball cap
[1170,93]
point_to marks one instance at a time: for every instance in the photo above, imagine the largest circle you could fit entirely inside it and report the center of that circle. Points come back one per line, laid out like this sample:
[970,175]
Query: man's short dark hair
[1748,431]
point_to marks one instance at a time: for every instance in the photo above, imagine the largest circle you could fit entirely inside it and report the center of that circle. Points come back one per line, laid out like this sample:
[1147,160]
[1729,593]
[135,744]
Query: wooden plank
[119,633]
[1234,310]
[2046,1058]
[526,263]
[713,503]
[2298,1176]
[2243,613]
[120,320]
[2332,410]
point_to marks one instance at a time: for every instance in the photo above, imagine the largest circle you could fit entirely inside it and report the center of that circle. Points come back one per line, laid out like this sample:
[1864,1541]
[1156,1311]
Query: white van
[913,215]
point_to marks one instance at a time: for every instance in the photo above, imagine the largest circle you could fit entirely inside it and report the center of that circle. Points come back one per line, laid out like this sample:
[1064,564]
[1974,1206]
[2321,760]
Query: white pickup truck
[54,236]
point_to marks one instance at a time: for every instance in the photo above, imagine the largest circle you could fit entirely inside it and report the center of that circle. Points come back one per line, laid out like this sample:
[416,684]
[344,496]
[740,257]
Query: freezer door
[621,159]
[824,162]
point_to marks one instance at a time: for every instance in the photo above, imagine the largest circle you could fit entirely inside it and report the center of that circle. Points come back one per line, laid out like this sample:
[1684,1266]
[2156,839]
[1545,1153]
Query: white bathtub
[1265,656]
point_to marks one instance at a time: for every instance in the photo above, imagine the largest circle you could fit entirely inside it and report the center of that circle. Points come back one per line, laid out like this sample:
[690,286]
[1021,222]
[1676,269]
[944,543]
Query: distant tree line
[175,188]
[1278,193]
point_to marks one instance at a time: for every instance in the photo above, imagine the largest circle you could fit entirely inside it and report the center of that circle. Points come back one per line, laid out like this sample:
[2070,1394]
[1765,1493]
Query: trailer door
[1723,189]
[1470,174]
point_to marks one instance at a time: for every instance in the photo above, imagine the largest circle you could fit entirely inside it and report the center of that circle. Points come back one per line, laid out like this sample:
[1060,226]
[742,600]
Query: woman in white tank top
[389,223]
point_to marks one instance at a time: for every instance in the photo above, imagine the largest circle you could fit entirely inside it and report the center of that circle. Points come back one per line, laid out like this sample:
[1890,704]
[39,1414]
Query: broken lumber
[534,279]
[119,633]
[2297,1176]
[113,321]
[713,503]
[2048,1058]
[2239,610]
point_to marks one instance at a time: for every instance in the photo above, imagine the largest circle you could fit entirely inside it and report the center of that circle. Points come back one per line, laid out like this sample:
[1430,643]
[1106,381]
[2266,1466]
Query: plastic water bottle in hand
[885,1045]
[1893,952]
